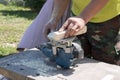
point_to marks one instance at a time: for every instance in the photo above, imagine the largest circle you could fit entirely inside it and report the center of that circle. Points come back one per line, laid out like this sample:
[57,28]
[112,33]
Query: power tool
[63,51]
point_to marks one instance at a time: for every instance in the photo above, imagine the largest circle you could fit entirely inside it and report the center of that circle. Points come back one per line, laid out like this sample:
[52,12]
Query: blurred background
[15,17]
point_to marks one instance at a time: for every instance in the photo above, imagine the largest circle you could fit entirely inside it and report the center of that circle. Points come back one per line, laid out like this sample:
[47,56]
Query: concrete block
[32,65]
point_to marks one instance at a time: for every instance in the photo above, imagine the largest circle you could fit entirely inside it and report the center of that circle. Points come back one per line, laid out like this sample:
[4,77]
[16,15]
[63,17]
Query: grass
[13,22]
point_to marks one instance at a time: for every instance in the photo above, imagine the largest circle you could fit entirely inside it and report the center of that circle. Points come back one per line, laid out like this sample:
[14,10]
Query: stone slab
[32,65]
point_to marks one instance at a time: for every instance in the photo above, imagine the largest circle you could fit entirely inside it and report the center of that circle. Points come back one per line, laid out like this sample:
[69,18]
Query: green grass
[13,22]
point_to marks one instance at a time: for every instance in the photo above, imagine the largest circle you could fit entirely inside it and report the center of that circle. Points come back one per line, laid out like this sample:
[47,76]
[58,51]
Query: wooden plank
[13,75]
[32,65]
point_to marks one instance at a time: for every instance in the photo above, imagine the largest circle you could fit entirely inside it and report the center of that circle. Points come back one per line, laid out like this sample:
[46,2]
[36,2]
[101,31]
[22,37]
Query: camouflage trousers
[100,39]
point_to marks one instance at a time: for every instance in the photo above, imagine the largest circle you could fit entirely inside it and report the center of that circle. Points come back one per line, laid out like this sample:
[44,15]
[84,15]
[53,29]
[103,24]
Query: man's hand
[72,26]
[58,11]
[50,27]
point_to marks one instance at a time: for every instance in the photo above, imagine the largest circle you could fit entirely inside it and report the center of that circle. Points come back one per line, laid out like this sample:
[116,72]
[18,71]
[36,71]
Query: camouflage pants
[100,39]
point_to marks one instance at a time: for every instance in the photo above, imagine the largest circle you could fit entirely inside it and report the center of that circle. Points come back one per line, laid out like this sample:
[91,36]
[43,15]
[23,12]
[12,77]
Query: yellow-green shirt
[110,10]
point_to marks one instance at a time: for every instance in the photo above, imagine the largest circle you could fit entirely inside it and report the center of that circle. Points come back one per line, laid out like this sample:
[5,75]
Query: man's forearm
[92,9]
[59,9]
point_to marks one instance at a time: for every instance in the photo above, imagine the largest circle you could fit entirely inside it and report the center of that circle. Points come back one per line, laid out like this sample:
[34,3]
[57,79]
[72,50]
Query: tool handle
[56,36]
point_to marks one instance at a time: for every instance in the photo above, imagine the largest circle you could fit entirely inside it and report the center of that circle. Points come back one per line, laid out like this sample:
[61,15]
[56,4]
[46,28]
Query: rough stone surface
[3,77]
[33,65]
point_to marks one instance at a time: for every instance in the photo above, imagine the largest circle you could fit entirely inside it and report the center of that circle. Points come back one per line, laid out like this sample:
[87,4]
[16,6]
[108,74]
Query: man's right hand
[72,26]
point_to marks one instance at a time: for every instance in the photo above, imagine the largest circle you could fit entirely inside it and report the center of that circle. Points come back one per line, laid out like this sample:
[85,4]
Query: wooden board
[32,65]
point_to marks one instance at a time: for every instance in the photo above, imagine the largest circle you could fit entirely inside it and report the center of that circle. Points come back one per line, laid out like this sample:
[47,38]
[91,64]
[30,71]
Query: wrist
[84,19]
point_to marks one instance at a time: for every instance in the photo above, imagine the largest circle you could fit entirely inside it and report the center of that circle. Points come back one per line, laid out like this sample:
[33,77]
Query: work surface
[32,65]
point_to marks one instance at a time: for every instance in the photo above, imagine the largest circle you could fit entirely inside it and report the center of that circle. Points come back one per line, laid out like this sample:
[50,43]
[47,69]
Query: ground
[13,22]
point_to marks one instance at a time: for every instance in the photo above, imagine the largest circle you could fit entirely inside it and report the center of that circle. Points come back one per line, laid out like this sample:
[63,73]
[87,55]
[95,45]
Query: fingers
[72,30]
[69,30]
[65,26]
[72,26]
[68,25]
